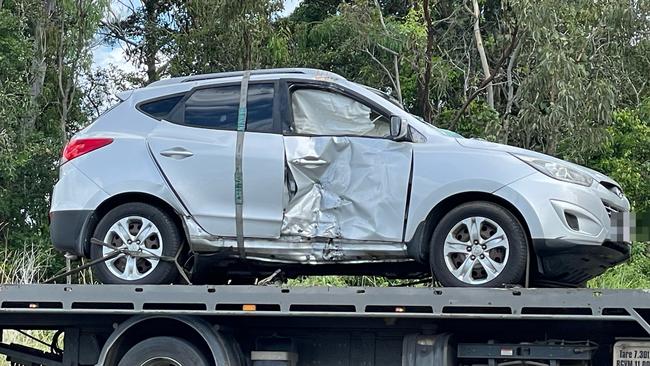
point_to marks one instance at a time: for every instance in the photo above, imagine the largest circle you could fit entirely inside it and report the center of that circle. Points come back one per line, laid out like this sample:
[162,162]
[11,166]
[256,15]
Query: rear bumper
[566,263]
[69,229]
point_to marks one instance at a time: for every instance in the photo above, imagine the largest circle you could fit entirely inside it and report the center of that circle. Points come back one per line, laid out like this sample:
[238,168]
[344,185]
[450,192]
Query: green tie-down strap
[241,119]
[239,178]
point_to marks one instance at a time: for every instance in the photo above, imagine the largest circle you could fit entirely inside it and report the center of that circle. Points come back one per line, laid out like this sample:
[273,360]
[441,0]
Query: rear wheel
[478,244]
[148,233]
[164,351]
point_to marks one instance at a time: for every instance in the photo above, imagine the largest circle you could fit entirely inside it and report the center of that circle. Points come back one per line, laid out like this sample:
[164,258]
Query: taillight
[78,147]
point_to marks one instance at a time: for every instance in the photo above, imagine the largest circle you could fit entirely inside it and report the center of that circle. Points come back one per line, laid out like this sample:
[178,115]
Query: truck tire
[478,244]
[141,228]
[164,351]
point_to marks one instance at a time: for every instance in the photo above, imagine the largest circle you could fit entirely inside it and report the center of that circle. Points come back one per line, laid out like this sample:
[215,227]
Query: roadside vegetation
[567,78]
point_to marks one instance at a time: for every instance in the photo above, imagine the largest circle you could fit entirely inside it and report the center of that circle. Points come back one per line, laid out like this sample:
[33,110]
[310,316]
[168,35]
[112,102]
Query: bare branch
[504,55]
[388,73]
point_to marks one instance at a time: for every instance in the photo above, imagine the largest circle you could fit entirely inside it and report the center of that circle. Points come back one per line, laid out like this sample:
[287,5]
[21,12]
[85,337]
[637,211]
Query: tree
[219,35]
[43,46]
[39,65]
[146,33]
[77,25]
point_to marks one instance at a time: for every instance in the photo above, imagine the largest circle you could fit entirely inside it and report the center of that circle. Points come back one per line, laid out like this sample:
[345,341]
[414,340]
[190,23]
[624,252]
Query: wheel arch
[418,246]
[122,198]
[219,349]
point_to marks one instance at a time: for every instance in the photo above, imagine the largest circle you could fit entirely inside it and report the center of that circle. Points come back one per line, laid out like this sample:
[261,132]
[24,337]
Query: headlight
[557,170]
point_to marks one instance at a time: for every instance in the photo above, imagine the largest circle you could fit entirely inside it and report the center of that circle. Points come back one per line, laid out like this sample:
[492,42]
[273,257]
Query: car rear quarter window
[160,108]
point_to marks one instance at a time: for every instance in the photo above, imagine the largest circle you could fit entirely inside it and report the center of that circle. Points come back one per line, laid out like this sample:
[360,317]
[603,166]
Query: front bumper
[577,232]
[564,263]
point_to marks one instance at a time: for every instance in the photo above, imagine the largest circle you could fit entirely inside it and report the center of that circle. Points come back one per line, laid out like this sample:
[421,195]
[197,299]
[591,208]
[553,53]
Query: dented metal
[346,187]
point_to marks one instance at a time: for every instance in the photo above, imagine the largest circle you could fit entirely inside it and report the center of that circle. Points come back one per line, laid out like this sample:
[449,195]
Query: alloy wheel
[137,235]
[476,250]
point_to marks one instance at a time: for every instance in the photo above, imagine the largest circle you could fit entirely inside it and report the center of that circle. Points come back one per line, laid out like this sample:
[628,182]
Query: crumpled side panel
[347,187]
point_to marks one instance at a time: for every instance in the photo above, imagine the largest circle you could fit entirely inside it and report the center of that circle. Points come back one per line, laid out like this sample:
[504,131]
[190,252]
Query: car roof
[184,83]
[272,73]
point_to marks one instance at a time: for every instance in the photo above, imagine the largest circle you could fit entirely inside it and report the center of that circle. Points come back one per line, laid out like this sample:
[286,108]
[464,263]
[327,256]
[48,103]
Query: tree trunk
[395,79]
[481,52]
[39,65]
[397,82]
[424,82]
[505,127]
[150,46]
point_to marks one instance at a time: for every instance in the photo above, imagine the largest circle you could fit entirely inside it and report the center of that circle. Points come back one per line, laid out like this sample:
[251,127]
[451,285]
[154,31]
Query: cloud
[105,55]
[289,7]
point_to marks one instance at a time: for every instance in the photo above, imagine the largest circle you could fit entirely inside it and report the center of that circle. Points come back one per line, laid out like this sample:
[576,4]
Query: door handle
[177,153]
[309,161]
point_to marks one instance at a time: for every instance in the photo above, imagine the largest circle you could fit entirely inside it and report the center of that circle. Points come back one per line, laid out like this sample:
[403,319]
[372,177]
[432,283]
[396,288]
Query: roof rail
[229,74]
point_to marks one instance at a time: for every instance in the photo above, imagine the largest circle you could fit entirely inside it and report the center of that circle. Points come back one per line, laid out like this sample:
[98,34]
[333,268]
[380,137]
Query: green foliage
[626,154]
[481,121]
[29,153]
[634,274]
[220,35]
[27,174]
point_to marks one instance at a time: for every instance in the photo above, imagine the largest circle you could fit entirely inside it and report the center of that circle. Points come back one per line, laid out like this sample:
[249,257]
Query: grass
[634,274]
[12,336]
[28,265]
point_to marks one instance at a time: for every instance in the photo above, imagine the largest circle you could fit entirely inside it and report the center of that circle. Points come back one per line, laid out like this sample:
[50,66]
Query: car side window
[322,112]
[161,107]
[218,108]
[213,108]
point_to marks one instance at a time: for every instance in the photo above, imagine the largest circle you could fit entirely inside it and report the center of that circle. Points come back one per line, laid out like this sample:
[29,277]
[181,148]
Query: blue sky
[104,55]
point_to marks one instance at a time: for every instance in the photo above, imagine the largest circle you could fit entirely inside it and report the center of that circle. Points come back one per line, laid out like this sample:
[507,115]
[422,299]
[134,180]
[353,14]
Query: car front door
[346,178]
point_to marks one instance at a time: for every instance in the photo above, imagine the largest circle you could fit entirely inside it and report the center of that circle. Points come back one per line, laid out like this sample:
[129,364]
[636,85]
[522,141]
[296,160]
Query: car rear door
[196,148]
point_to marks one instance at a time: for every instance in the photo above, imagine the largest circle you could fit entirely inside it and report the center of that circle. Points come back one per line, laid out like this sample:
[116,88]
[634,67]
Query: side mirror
[398,127]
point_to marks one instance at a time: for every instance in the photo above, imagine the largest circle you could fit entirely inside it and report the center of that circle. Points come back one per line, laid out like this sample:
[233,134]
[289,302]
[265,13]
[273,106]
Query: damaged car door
[346,177]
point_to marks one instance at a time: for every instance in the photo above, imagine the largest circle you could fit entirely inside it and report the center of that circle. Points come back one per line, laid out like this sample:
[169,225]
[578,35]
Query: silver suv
[243,173]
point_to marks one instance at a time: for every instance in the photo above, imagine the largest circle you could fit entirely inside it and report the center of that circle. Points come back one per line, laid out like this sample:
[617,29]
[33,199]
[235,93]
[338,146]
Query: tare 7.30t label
[632,353]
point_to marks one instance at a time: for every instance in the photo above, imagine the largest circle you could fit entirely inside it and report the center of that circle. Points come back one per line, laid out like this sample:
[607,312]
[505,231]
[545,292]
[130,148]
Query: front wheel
[478,244]
[148,233]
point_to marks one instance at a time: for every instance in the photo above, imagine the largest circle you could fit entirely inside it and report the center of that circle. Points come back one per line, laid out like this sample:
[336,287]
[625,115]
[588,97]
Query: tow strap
[239,179]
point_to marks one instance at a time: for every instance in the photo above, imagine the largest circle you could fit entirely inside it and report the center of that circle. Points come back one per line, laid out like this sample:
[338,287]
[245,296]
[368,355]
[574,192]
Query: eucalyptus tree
[220,35]
[146,30]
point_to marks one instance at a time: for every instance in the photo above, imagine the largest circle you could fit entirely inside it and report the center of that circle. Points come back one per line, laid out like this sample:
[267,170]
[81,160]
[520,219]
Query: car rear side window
[213,108]
[160,108]
[218,108]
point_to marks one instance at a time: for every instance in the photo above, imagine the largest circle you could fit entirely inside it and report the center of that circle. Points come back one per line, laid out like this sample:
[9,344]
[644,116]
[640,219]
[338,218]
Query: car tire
[164,351]
[478,244]
[165,240]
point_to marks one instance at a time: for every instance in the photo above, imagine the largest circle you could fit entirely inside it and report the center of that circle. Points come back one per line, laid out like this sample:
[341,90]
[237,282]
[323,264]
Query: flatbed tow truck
[184,325]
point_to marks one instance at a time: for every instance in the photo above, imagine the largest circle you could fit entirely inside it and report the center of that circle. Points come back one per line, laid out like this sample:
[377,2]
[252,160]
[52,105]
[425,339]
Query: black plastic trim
[68,230]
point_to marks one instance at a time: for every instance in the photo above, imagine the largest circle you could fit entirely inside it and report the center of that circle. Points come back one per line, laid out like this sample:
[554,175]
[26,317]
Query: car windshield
[438,130]
[386,96]
[428,125]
